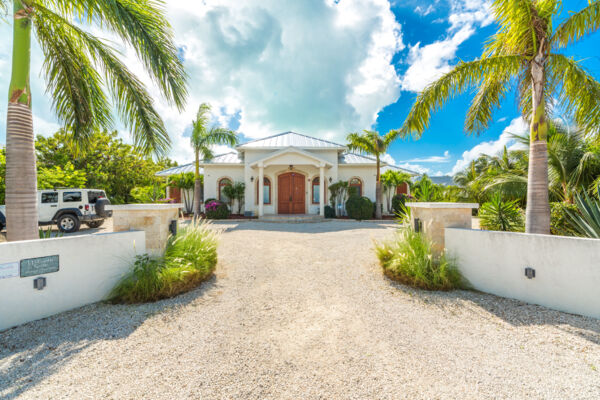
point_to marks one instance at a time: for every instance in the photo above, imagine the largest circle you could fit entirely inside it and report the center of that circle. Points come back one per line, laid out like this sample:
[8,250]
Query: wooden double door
[291,195]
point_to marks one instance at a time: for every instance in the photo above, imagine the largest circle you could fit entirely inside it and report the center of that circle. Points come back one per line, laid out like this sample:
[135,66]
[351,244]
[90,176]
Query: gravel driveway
[302,312]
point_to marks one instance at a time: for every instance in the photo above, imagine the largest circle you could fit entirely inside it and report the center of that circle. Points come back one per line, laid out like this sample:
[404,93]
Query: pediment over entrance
[292,156]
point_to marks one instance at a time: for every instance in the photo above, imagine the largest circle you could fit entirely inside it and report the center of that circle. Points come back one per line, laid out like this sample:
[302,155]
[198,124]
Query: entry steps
[291,218]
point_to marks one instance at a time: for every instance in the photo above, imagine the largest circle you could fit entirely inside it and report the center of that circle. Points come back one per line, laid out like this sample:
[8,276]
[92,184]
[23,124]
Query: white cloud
[433,159]
[406,165]
[424,11]
[516,126]
[319,67]
[429,62]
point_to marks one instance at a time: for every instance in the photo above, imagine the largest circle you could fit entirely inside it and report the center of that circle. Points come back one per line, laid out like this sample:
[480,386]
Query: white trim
[264,161]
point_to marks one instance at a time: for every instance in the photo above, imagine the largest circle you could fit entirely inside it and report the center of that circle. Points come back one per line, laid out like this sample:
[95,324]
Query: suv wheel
[68,223]
[95,224]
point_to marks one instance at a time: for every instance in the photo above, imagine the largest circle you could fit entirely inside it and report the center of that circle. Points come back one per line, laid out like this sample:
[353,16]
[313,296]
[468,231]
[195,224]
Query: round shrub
[216,210]
[560,223]
[359,208]
[329,212]
[499,215]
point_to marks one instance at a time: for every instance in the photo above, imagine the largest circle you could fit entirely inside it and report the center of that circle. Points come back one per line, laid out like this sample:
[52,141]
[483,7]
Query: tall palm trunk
[21,182]
[378,193]
[537,217]
[198,195]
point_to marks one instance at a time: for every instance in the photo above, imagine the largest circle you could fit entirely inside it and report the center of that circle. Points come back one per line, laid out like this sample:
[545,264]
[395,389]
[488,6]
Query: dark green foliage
[587,220]
[359,208]
[409,259]
[329,212]
[398,202]
[216,210]
[190,258]
[560,222]
[499,215]
[108,163]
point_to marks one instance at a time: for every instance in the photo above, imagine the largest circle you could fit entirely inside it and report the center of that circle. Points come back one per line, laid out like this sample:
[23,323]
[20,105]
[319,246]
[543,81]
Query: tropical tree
[372,143]
[573,162]
[184,182]
[79,68]
[390,180]
[202,139]
[235,191]
[524,51]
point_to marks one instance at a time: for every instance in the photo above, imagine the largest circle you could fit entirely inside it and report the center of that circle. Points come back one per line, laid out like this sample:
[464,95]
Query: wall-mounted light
[330,179]
[39,283]
[251,179]
[530,273]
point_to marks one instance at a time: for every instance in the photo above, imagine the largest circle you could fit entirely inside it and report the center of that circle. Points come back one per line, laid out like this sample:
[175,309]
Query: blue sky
[323,68]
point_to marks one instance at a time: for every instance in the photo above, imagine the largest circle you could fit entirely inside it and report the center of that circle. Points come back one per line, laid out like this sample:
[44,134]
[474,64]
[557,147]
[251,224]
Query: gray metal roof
[354,159]
[178,170]
[227,158]
[291,139]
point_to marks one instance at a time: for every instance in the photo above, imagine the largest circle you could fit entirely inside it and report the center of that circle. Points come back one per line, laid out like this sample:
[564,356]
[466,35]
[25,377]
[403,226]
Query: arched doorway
[291,195]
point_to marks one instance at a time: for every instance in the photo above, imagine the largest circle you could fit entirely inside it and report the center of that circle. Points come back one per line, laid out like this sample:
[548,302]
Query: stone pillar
[321,190]
[433,218]
[153,219]
[261,191]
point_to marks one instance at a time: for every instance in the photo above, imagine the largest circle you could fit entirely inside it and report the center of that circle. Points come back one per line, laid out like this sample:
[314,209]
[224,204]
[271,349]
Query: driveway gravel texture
[302,311]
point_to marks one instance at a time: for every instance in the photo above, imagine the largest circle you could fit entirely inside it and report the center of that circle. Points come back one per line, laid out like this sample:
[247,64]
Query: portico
[291,171]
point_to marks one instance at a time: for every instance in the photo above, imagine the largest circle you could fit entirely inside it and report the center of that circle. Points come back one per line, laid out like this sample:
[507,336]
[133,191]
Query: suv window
[71,197]
[94,195]
[50,197]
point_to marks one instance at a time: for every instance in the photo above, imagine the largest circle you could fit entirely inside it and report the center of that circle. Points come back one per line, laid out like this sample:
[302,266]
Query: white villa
[283,173]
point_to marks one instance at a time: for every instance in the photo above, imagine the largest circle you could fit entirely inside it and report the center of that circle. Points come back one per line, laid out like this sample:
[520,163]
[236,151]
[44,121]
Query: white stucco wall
[89,268]
[366,173]
[567,269]
[212,175]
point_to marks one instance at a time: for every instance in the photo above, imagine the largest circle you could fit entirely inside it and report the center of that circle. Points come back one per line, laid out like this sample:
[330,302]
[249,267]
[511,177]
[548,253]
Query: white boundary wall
[567,270]
[90,266]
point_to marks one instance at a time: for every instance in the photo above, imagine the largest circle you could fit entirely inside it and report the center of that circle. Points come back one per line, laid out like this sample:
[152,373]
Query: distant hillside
[442,180]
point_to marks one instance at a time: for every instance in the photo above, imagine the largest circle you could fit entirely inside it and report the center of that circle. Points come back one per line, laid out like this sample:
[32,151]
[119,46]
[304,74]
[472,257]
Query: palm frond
[133,103]
[218,135]
[359,142]
[489,95]
[143,25]
[460,78]
[579,92]
[578,25]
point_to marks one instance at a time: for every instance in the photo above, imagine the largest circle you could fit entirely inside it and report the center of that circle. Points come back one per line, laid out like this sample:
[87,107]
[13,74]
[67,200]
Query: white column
[261,192]
[322,190]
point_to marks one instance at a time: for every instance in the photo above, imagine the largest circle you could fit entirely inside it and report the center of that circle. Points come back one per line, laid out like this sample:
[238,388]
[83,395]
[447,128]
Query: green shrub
[587,218]
[216,210]
[359,207]
[498,215]
[329,212]
[408,259]
[398,202]
[560,222]
[190,258]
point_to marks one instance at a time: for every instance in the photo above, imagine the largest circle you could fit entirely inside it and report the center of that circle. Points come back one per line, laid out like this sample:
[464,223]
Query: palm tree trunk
[197,188]
[537,216]
[21,181]
[378,193]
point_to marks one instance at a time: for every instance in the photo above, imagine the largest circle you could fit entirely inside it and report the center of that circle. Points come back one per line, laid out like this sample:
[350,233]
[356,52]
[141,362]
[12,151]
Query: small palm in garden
[499,215]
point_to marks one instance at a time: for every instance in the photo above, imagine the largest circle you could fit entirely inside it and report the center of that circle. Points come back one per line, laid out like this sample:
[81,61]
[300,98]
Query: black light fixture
[251,179]
[330,179]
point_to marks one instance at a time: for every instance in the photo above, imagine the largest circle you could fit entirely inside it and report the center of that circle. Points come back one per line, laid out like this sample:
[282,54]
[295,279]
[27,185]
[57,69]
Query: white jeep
[69,208]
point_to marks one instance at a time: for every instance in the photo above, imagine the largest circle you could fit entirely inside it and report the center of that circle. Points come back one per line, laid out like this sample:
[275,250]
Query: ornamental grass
[190,258]
[408,259]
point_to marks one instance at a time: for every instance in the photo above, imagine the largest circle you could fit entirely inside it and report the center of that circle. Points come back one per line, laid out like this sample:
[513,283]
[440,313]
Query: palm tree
[78,69]
[573,164]
[371,142]
[391,180]
[523,51]
[202,139]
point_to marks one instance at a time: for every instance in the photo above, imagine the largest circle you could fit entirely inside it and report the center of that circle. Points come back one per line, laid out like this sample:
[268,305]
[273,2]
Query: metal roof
[291,139]
[352,158]
[227,158]
[178,170]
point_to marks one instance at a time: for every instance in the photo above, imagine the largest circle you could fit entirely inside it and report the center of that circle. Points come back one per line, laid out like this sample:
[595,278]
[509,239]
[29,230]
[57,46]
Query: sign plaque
[39,266]
[9,270]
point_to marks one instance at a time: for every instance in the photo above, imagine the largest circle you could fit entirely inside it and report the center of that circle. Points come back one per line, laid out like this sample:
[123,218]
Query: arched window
[266,191]
[356,183]
[222,183]
[315,193]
